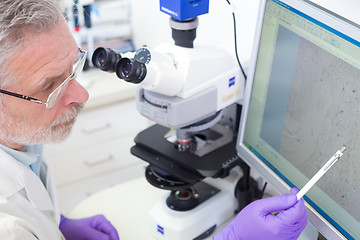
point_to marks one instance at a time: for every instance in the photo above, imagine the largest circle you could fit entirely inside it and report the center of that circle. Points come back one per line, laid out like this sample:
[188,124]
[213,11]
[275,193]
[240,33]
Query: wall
[150,26]
[346,8]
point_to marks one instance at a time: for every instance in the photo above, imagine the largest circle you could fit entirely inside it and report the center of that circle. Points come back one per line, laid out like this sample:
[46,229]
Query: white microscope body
[184,89]
[190,84]
[191,93]
[184,86]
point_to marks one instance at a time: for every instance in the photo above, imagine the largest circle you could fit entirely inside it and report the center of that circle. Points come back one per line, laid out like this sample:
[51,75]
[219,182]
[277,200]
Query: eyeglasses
[51,100]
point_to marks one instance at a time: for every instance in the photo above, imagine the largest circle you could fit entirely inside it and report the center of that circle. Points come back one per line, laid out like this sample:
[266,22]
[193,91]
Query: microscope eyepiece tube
[105,59]
[131,70]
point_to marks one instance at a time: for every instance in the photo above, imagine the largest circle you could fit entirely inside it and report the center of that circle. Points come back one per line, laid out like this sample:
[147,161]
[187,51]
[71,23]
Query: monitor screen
[302,104]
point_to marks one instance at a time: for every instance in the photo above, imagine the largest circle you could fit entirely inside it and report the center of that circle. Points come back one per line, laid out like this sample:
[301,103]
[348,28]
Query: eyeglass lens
[77,67]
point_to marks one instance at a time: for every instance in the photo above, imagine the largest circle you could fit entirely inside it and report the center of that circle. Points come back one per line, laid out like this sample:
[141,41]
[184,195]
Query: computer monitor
[301,105]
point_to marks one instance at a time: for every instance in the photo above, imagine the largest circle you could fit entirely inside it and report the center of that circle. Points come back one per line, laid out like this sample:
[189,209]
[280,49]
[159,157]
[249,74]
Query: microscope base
[166,223]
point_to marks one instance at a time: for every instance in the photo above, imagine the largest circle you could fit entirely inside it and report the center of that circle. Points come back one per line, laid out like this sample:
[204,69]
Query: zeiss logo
[160,229]
[231,81]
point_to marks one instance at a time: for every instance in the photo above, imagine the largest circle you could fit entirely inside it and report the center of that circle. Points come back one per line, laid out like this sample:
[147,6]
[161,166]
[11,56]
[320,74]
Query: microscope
[192,93]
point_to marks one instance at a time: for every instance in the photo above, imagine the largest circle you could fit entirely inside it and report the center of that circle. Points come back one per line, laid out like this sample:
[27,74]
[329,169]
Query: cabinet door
[99,125]
[93,160]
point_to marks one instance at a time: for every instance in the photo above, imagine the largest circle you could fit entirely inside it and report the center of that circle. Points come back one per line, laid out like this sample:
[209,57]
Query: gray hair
[18,17]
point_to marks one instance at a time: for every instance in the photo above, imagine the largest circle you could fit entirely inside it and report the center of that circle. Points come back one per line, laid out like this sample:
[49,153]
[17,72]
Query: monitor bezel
[327,17]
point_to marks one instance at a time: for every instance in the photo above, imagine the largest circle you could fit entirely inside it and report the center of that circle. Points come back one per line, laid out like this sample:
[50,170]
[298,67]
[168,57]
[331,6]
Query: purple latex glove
[256,221]
[92,228]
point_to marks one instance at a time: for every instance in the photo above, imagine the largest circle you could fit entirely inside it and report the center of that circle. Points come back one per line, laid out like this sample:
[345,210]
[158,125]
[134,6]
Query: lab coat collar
[30,156]
[14,176]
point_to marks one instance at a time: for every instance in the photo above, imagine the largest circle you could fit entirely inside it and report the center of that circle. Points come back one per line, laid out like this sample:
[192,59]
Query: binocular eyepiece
[131,70]
[128,69]
[105,59]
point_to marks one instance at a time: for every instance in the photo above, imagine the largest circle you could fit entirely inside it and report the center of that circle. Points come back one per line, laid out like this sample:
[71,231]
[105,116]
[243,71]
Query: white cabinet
[97,155]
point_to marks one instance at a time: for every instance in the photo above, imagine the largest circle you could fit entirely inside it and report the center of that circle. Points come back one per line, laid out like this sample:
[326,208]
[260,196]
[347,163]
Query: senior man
[39,102]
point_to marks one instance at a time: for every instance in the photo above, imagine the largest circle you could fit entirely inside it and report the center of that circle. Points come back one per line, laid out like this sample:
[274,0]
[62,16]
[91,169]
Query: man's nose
[76,93]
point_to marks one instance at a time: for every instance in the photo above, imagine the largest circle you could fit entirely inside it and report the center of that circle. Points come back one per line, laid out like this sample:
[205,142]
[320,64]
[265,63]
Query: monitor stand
[309,233]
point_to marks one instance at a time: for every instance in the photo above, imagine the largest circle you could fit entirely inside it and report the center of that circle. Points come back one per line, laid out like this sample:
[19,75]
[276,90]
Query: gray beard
[20,132]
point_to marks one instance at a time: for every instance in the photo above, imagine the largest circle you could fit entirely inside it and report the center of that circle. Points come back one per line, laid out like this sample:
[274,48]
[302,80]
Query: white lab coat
[28,209]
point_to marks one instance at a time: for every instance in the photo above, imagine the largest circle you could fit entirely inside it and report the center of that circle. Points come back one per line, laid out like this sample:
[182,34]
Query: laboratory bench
[97,155]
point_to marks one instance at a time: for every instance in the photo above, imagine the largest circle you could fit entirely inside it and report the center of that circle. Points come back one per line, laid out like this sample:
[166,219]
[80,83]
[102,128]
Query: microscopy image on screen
[322,114]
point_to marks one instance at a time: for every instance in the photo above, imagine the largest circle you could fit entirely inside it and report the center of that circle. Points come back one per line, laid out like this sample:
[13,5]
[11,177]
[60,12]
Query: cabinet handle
[94,162]
[96,129]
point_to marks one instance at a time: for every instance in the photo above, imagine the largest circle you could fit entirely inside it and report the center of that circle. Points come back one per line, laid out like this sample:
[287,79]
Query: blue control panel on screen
[184,9]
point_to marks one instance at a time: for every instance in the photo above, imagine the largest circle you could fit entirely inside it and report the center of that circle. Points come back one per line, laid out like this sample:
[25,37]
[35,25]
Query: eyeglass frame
[73,75]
